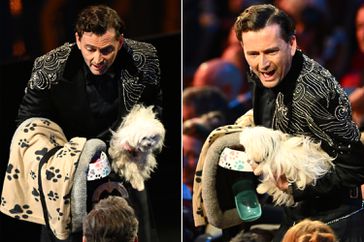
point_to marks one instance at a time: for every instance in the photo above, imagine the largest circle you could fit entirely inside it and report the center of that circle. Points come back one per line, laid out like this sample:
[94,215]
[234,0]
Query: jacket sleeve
[152,79]
[332,124]
[47,70]
[35,102]
[147,61]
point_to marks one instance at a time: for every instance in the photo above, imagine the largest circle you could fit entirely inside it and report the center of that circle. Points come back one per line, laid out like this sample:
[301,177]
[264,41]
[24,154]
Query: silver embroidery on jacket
[319,107]
[47,68]
[146,60]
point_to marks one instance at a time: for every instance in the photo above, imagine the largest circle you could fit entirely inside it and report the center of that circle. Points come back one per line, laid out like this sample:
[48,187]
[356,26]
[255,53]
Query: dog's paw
[137,184]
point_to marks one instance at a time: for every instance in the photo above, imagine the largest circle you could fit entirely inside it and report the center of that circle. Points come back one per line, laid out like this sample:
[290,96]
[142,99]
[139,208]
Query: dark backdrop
[163,187]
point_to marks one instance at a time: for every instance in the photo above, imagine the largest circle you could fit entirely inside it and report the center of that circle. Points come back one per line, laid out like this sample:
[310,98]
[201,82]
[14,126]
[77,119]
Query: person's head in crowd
[270,58]
[111,220]
[99,35]
[219,73]
[253,235]
[310,230]
[234,53]
[195,132]
[359,24]
[201,100]
[293,8]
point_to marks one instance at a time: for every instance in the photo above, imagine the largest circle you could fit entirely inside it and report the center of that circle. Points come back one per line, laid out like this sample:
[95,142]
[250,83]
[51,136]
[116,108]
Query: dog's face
[141,130]
[144,135]
[261,143]
[150,142]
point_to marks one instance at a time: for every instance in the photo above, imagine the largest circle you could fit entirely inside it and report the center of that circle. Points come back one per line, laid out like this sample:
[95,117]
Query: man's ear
[293,44]
[121,41]
[78,40]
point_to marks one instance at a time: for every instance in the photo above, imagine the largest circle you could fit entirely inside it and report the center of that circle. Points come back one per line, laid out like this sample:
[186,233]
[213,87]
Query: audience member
[317,35]
[254,235]
[111,220]
[228,78]
[353,80]
[219,73]
[195,131]
[310,230]
[201,100]
[233,52]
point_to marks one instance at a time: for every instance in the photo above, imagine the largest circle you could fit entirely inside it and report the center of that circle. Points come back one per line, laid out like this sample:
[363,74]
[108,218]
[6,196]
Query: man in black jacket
[296,95]
[87,87]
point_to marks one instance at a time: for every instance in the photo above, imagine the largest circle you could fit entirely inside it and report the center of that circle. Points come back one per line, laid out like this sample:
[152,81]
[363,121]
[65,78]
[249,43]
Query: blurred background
[32,28]
[215,88]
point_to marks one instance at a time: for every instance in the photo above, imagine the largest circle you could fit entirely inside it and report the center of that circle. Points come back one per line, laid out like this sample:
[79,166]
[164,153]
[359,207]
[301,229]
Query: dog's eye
[153,137]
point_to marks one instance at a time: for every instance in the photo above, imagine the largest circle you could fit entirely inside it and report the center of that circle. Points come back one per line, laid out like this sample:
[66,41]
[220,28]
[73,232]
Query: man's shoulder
[312,67]
[314,73]
[139,45]
[60,53]
[48,68]
[140,50]
[144,58]
[318,82]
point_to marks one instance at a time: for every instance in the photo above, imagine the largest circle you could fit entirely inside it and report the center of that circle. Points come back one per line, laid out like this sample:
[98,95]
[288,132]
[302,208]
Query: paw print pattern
[200,212]
[198,176]
[72,143]
[12,174]
[36,194]
[29,127]
[40,153]
[21,211]
[61,153]
[53,141]
[68,226]
[60,214]
[73,150]
[46,122]
[23,143]
[53,174]
[33,175]
[53,196]
[66,177]
[3,201]
[67,198]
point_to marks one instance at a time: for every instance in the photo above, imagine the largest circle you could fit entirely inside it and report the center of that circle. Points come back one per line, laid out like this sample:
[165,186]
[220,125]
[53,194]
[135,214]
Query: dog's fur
[134,144]
[299,158]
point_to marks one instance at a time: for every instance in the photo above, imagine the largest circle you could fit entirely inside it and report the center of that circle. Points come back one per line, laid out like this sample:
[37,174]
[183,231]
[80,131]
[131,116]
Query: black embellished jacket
[58,89]
[309,101]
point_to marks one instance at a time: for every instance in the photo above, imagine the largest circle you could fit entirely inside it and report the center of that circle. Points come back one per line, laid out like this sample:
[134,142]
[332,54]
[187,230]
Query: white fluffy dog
[299,158]
[134,143]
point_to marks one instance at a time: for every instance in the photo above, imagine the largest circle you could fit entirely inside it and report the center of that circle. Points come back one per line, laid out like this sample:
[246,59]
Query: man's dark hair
[98,19]
[256,17]
[111,220]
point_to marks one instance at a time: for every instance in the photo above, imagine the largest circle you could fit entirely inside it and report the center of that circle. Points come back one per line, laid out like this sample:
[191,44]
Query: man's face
[360,28]
[99,52]
[268,55]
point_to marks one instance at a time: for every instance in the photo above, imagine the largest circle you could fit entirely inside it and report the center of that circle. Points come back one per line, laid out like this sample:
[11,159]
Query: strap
[43,161]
